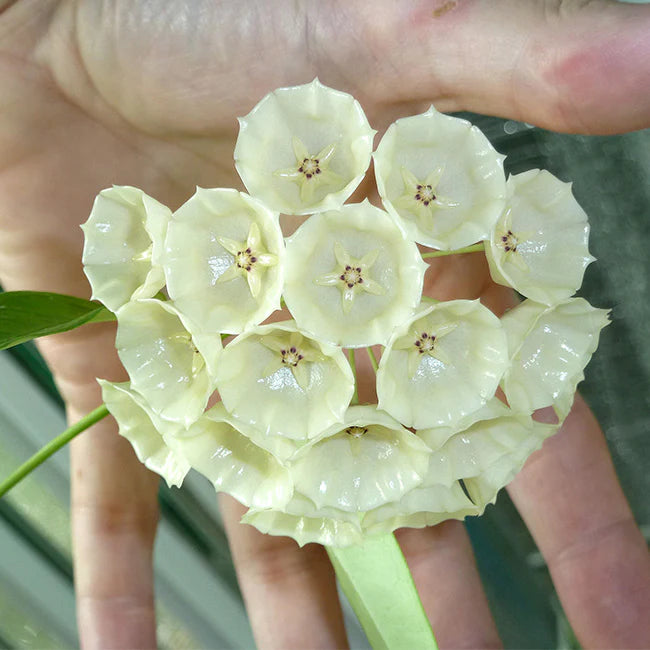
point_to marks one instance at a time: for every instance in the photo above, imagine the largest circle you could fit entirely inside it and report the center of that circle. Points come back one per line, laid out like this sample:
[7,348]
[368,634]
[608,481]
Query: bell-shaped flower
[425,505]
[549,348]
[224,260]
[284,383]
[366,461]
[539,244]
[233,463]
[440,179]
[124,237]
[304,149]
[172,367]
[154,446]
[307,524]
[485,450]
[351,276]
[442,365]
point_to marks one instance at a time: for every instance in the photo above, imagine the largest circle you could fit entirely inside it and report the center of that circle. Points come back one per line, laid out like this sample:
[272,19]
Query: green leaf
[380,588]
[25,315]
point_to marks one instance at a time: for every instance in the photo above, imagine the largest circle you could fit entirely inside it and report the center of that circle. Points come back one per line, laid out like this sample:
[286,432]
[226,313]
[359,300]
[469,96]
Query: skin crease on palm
[146,93]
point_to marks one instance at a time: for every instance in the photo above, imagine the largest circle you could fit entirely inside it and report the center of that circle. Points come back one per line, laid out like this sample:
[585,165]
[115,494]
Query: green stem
[51,447]
[353,365]
[474,248]
[380,588]
[373,359]
[429,299]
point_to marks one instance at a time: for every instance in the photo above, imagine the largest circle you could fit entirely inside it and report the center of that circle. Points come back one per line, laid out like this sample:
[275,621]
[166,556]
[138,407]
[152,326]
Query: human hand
[146,94]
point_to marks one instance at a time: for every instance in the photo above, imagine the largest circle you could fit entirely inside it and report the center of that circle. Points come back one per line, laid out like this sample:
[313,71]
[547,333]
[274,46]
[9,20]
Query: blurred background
[198,601]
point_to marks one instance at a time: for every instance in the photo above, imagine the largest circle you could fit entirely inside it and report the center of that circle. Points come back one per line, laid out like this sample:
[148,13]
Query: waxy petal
[124,237]
[437,393]
[160,452]
[454,157]
[292,124]
[170,366]
[549,348]
[355,473]
[550,232]
[363,237]
[300,399]
[203,278]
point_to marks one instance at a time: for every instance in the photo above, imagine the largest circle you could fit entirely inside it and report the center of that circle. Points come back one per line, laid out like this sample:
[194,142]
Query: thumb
[567,65]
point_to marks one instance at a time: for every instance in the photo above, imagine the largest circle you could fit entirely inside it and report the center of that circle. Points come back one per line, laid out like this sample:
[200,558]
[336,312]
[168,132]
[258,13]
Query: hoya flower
[284,383]
[351,276]
[154,446]
[440,179]
[224,260]
[539,244]
[171,367]
[306,523]
[304,149]
[123,243]
[485,450]
[233,463]
[422,506]
[366,461]
[549,348]
[444,364]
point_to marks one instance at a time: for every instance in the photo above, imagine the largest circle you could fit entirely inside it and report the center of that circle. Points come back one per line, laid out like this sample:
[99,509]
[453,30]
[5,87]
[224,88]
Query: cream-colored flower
[422,506]
[307,524]
[351,276]
[443,365]
[124,236]
[172,367]
[154,446]
[233,463]
[539,244]
[366,461]
[485,450]
[223,260]
[440,179]
[304,149]
[549,348]
[284,383]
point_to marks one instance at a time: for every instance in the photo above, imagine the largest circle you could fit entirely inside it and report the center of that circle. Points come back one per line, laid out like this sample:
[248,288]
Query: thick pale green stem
[474,248]
[53,446]
[380,588]
[353,365]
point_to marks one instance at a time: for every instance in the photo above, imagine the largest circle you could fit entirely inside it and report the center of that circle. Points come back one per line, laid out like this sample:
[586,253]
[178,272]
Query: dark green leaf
[25,315]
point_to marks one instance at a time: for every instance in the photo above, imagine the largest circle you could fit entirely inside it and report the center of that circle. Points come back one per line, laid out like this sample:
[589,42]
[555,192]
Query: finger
[444,570]
[290,592]
[113,504]
[572,503]
[566,65]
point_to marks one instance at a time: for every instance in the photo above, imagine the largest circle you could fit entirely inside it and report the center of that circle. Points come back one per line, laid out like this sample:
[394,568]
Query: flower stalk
[52,447]
[353,365]
[474,248]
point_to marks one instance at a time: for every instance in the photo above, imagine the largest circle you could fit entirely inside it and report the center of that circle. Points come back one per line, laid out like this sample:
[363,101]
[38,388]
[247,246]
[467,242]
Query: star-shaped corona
[310,171]
[295,352]
[422,197]
[511,242]
[250,259]
[351,275]
[420,343]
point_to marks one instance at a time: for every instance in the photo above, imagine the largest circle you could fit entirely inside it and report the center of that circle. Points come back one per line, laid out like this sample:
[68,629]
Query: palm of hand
[81,115]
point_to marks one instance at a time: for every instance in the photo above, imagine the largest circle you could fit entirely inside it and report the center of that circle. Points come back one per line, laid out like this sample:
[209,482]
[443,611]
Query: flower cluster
[286,437]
